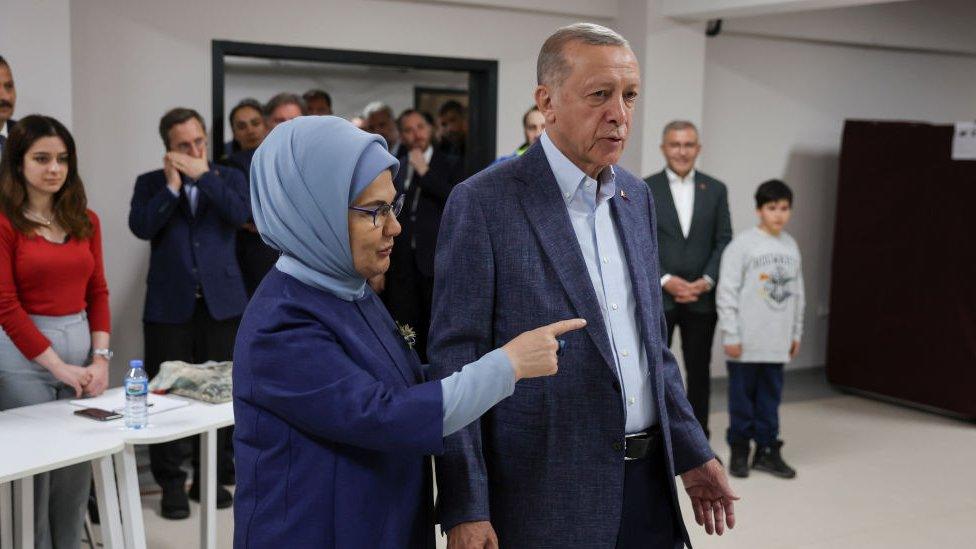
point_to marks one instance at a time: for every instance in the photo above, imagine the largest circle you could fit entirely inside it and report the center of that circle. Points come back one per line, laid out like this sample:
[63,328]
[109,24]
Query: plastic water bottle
[136,385]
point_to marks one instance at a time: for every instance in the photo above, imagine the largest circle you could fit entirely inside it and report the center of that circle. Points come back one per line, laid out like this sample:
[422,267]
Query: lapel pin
[701,186]
[624,195]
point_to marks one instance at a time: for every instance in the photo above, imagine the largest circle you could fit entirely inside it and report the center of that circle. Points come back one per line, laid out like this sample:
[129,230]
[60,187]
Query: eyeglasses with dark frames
[382,212]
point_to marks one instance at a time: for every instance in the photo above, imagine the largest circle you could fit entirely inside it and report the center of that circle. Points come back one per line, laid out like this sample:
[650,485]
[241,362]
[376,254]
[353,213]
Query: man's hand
[418,162]
[99,377]
[192,167]
[472,535]
[711,497]
[794,348]
[733,351]
[701,286]
[173,180]
[681,290]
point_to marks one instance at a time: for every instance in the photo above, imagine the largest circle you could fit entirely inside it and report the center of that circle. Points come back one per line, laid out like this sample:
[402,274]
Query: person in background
[190,210]
[760,310]
[533,124]
[54,306]
[693,227]
[317,103]
[283,107]
[248,126]
[381,121]
[359,122]
[452,128]
[8,101]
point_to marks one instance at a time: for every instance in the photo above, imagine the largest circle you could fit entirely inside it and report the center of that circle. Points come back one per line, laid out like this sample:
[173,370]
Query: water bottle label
[135,388]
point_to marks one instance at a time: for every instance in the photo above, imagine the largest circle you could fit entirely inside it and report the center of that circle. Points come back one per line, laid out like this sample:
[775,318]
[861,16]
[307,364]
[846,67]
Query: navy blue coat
[546,465]
[191,250]
[333,424]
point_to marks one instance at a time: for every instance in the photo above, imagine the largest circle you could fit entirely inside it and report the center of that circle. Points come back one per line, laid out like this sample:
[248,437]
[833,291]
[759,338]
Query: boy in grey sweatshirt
[760,309]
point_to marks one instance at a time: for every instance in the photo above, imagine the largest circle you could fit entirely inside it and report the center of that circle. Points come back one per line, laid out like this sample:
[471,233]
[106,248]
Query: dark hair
[283,98]
[773,190]
[4,62]
[426,116]
[176,116]
[246,103]
[452,106]
[70,203]
[317,94]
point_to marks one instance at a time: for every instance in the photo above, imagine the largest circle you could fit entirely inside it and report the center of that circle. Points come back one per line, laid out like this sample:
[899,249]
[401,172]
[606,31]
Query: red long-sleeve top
[39,277]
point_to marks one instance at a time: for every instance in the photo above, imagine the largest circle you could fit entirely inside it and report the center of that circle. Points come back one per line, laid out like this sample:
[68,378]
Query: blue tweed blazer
[546,465]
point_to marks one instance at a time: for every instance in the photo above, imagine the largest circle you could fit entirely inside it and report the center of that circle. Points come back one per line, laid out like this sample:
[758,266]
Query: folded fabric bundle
[209,382]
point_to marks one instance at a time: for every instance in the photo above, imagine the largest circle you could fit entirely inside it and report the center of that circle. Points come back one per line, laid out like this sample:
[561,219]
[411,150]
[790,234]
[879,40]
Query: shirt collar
[429,153]
[568,175]
[3,130]
[673,177]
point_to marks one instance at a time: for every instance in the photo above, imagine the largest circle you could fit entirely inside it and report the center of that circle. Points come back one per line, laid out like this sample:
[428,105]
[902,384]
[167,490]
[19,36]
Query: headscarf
[304,176]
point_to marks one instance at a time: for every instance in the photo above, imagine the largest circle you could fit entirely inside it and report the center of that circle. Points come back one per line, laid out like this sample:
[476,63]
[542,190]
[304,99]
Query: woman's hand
[533,353]
[99,377]
[75,377]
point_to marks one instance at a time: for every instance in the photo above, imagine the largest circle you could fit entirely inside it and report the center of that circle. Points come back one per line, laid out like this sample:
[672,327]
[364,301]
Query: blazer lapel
[386,331]
[701,194]
[667,201]
[546,211]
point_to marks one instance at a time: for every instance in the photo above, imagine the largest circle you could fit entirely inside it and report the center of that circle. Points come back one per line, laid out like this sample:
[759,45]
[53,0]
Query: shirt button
[625,353]
[613,306]
[631,401]
[606,260]
[568,195]
[588,184]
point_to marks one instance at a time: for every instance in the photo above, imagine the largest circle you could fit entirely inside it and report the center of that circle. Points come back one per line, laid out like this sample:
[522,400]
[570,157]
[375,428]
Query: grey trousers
[60,496]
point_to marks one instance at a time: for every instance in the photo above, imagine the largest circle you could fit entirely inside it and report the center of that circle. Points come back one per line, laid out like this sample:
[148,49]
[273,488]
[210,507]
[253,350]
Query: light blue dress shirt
[588,203]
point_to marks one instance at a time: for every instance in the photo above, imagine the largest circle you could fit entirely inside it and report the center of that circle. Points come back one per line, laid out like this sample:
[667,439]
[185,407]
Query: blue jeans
[755,391]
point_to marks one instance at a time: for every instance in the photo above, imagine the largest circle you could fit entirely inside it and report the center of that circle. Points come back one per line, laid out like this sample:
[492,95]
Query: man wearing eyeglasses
[425,179]
[190,210]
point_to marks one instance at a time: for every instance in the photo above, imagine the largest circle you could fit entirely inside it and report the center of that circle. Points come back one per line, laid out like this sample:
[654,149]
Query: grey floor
[871,475]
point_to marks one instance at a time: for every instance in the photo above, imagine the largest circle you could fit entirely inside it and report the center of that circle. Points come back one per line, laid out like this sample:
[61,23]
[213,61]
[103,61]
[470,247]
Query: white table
[32,446]
[197,418]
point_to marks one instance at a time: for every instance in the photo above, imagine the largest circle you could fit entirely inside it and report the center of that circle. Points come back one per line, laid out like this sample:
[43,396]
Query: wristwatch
[107,354]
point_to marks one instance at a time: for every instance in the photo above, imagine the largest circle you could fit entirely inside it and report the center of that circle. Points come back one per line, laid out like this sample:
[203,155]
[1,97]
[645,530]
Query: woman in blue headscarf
[334,418]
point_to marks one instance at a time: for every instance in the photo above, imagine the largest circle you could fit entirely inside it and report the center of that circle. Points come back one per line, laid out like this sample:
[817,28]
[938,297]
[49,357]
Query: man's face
[8,94]
[535,124]
[318,107]
[283,113]
[681,148]
[589,115]
[382,124]
[188,138]
[416,131]
[249,128]
[453,127]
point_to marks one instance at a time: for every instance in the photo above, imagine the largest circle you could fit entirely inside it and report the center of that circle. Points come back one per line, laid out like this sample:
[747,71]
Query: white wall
[41,66]
[351,88]
[775,108]
[134,60]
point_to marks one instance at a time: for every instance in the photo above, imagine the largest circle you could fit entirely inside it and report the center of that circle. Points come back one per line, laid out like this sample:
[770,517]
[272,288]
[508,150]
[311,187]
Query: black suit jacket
[711,230]
[421,224]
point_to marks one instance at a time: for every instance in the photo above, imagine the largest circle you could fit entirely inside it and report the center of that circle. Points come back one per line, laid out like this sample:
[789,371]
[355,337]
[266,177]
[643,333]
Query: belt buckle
[627,437]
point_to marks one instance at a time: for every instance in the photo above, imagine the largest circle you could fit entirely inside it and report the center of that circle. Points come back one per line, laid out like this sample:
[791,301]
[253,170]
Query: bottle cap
[135,364]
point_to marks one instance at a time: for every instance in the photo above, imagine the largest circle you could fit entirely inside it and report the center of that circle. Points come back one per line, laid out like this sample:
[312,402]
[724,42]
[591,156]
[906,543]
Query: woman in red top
[54,307]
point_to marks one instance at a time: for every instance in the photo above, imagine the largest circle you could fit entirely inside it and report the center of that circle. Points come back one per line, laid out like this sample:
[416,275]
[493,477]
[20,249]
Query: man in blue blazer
[190,210]
[585,458]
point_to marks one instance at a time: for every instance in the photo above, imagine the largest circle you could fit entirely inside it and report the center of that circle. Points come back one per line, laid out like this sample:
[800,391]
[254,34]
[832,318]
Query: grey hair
[552,67]
[677,125]
[378,106]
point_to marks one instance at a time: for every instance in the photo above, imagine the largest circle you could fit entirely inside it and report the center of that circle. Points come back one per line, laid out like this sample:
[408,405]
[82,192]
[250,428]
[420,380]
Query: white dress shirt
[428,154]
[683,193]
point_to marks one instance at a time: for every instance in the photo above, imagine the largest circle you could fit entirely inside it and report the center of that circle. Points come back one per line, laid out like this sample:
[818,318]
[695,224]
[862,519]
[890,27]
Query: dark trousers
[755,391]
[647,520]
[697,331]
[408,296]
[199,340]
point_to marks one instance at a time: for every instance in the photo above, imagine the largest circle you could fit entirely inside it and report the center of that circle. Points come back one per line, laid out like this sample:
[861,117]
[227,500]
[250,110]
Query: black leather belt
[640,445]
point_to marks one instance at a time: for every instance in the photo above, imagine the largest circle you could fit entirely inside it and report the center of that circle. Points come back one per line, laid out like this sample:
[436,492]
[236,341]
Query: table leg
[108,503]
[24,513]
[6,516]
[208,492]
[133,529]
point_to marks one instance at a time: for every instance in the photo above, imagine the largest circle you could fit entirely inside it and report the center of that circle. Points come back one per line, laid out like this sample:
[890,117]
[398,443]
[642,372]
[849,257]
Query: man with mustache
[585,458]
[8,100]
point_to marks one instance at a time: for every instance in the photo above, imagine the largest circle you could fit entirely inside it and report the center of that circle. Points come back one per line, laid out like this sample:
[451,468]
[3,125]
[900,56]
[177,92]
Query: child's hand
[794,348]
[734,351]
